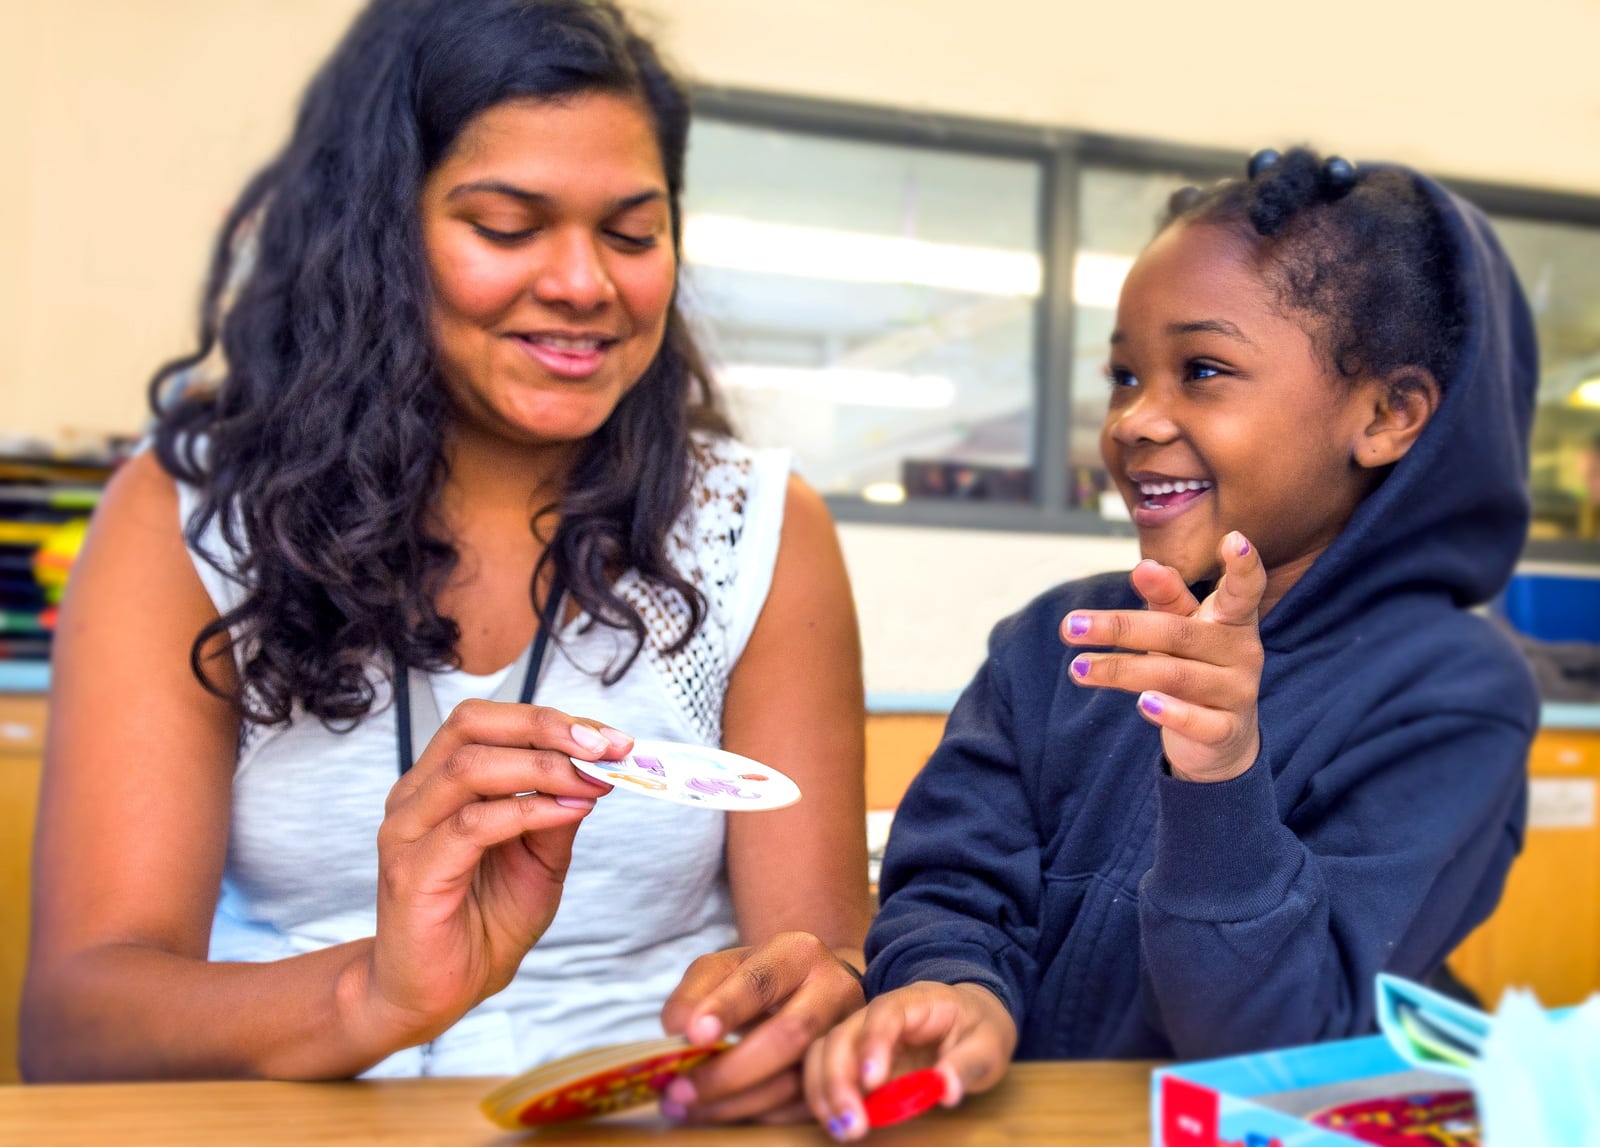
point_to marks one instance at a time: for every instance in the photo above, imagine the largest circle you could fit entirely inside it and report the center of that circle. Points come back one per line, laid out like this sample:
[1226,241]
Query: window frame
[1062,154]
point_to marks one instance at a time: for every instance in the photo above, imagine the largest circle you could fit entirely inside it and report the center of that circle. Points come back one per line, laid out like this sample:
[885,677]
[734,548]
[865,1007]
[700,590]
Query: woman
[460,421]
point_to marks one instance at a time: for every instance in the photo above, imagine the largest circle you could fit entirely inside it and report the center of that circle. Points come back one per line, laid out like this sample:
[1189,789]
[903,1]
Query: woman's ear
[1402,403]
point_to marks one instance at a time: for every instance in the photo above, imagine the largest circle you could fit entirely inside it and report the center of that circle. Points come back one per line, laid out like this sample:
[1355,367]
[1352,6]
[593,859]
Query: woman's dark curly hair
[321,451]
[1361,252]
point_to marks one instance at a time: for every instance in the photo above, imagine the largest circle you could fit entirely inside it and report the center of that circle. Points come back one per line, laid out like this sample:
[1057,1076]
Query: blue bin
[1551,607]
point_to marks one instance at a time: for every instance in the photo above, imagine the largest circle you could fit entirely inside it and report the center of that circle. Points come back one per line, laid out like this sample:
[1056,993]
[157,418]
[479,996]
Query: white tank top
[647,891]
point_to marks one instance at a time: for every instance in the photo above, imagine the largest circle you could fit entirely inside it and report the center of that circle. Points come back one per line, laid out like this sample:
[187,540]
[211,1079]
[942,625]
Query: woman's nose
[573,273]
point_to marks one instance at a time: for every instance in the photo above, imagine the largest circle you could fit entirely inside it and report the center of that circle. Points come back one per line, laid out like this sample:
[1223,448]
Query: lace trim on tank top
[703,546]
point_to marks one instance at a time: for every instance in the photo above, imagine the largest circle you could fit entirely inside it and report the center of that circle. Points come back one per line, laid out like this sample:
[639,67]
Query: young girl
[1192,810]
[461,450]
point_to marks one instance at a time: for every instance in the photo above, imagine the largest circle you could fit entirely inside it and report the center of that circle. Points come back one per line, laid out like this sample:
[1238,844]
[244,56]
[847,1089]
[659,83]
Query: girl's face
[1222,416]
[548,235]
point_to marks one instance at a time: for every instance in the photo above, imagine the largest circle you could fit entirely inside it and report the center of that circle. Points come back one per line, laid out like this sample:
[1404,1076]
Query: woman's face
[548,235]
[1222,415]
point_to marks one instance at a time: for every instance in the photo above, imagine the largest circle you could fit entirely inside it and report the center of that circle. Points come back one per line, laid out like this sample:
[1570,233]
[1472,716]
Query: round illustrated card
[695,775]
[1433,1119]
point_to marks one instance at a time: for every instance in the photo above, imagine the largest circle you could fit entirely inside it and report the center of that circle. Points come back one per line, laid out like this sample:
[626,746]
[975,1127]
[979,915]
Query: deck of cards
[593,1083]
[695,775]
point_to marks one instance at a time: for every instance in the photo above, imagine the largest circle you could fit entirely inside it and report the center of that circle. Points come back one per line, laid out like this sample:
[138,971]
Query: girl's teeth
[1151,489]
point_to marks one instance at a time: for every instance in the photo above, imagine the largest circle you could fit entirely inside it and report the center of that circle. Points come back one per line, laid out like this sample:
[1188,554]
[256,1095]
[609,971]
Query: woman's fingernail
[674,1110]
[681,1091]
[618,738]
[1080,667]
[607,785]
[576,802]
[1150,703]
[1244,547]
[1077,624]
[704,1030]
[589,739]
[840,1125]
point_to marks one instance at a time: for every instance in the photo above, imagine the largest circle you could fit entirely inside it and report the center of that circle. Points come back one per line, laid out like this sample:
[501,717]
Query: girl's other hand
[1201,674]
[472,853]
[783,994]
[961,1030]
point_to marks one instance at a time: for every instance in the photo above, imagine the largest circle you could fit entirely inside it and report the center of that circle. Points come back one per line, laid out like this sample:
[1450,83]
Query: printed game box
[1326,1095]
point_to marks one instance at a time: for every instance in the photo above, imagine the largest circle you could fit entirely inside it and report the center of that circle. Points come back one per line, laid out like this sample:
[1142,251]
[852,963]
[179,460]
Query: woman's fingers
[478,772]
[1196,682]
[785,993]
[447,857]
[764,1100]
[525,727]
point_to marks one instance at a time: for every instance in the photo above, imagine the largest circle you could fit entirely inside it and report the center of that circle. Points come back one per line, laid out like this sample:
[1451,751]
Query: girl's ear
[1402,403]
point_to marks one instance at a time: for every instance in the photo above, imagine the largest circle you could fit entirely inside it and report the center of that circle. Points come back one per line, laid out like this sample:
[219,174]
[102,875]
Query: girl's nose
[573,273]
[1144,417]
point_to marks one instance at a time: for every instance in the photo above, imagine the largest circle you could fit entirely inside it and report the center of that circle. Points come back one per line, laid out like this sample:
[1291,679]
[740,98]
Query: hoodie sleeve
[1263,931]
[961,876]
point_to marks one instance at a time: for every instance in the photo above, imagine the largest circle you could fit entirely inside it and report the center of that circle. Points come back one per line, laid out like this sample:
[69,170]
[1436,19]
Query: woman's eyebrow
[501,187]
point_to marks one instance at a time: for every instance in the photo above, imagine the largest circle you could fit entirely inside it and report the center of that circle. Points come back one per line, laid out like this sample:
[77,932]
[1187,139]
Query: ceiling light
[844,385]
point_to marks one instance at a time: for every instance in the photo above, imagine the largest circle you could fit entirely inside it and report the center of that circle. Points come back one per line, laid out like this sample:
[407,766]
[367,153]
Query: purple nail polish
[1150,703]
[1077,625]
[838,1126]
[1080,667]
[1244,548]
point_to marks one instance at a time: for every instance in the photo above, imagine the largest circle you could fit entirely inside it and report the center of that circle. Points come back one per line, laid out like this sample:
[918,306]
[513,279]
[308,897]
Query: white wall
[129,125]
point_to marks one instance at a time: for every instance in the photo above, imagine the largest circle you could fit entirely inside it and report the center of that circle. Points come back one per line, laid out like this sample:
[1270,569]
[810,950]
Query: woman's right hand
[961,1030]
[472,853]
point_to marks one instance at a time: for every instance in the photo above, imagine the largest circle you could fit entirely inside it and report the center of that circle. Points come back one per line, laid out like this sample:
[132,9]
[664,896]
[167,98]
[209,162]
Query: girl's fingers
[1212,727]
[1237,598]
[1162,588]
[1198,683]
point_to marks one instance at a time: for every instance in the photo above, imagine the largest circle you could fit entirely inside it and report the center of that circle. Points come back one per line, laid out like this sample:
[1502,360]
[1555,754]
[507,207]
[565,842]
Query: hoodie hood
[1451,518]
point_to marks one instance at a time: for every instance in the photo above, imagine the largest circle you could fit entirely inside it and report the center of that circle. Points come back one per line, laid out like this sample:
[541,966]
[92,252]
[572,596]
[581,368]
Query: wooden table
[1059,1104]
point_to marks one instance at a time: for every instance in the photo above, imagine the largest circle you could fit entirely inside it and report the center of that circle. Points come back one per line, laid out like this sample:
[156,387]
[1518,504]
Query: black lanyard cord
[530,677]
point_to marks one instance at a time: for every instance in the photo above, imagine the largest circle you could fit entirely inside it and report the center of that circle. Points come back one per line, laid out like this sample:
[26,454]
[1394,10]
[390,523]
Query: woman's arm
[133,830]
[799,875]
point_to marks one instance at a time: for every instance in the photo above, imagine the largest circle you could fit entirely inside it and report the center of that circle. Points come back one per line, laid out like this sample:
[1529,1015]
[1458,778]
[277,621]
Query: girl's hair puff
[1361,252]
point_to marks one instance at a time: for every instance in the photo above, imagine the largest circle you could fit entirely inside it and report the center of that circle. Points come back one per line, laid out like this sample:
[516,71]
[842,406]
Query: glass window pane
[872,306]
[1118,211]
[1559,265]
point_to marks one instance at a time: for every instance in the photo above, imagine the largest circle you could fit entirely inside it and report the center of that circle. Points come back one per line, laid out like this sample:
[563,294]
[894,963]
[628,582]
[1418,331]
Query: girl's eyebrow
[1208,326]
[500,187]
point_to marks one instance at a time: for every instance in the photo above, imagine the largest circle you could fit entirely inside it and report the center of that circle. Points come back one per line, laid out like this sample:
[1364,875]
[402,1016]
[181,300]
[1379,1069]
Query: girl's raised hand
[961,1030]
[1200,671]
[472,853]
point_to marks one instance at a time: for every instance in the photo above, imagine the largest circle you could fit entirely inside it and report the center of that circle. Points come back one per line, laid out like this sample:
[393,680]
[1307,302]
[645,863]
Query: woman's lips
[565,357]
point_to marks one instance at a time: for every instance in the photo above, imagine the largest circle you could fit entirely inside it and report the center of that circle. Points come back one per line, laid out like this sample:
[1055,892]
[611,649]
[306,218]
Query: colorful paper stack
[45,503]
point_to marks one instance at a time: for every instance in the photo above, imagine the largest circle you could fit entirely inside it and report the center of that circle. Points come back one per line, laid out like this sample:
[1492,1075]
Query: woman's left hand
[1200,675]
[781,995]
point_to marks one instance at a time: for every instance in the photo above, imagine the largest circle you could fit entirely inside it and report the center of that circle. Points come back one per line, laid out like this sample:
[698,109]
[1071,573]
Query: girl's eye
[494,236]
[1200,371]
[1117,377]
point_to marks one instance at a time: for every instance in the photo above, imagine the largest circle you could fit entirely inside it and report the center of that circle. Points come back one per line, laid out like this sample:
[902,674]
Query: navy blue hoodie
[1044,853]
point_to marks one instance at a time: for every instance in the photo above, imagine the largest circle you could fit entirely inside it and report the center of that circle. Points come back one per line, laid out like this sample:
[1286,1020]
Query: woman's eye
[634,242]
[495,236]
[1118,377]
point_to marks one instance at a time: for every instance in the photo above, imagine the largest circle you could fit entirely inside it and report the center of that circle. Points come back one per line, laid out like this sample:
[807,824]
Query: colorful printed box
[1264,1100]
